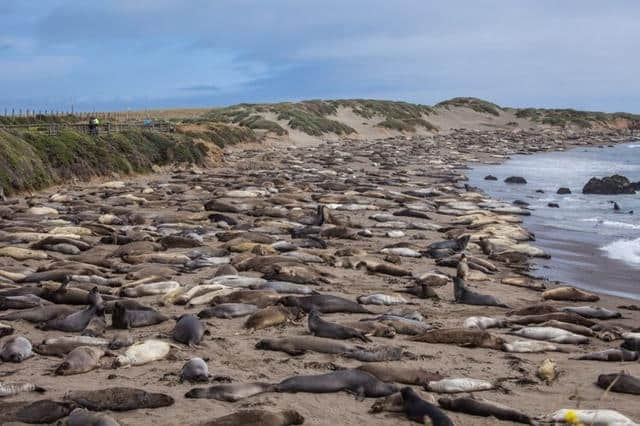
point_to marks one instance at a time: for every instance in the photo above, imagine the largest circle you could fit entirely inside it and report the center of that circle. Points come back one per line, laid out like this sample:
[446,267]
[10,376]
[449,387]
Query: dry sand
[230,349]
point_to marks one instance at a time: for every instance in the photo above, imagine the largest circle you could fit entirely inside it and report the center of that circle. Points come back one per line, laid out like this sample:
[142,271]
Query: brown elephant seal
[272,316]
[80,360]
[16,349]
[230,392]
[188,330]
[42,411]
[571,294]
[325,304]
[418,410]
[596,312]
[195,370]
[467,297]
[84,417]
[96,327]
[565,317]
[468,337]
[356,381]
[125,318]
[257,418]
[619,382]
[6,330]
[539,309]
[390,372]
[321,328]
[298,345]
[228,310]
[39,315]
[483,408]
[60,346]
[373,328]
[118,399]
[260,298]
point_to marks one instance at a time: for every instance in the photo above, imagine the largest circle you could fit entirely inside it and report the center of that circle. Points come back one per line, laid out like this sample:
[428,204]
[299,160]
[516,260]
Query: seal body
[257,418]
[16,349]
[353,380]
[417,409]
[321,328]
[195,370]
[188,330]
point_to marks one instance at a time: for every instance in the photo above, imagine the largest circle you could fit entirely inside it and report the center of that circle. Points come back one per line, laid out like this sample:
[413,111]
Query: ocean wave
[625,250]
[611,223]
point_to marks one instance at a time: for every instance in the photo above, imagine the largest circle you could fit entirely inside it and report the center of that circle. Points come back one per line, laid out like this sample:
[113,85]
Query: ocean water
[591,245]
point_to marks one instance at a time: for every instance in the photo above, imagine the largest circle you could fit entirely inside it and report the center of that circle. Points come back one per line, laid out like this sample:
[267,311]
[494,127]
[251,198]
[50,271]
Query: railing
[53,129]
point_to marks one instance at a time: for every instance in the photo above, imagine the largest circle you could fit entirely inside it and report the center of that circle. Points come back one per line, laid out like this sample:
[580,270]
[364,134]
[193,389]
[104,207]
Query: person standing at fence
[93,125]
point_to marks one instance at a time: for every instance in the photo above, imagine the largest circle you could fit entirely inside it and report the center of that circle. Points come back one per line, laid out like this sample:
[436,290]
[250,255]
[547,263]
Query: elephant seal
[195,370]
[417,409]
[10,389]
[188,330]
[390,372]
[42,411]
[373,328]
[468,337]
[324,303]
[231,392]
[484,322]
[84,417]
[143,353]
[80,360]
[612,355]
[39,315]
[447,248]
[16,349]
[321,328]
[551,334]
[257,418]
[395,404]
[118,399]
[593,312]
[124,318]
[565,317]
[78,321]
[619,382]
[539,309]
[298,345]
[468,297]
[272,316]
[356,381]
[483,408]
[457,385]
[571,294]
[228,310]
[25,301]
[260,298]
[96,327]
[5,330]
[60,346]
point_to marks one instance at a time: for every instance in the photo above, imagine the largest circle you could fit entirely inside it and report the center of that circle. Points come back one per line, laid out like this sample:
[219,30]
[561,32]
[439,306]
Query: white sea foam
[625,250]
[611,223]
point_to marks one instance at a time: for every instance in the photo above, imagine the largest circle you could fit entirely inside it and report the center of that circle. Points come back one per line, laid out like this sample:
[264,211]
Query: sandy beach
[356,180]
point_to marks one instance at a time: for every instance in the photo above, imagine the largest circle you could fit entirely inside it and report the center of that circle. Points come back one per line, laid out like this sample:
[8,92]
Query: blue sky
[119,54]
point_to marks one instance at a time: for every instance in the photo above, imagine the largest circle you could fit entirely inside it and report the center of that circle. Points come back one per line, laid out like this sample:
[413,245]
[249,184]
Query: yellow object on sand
[572,418]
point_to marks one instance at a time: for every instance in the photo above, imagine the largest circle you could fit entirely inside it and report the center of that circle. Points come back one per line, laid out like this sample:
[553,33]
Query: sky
[118,54]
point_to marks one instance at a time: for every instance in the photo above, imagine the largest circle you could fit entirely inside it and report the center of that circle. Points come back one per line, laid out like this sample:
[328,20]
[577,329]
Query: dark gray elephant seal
[124,318]
[228,310]
[188,330]
[391,372]
[257,418]
[231,392]
[118,399]
[78,321]
[16,349]
[298,345]
[612,355]
[324,303]
[624,383]
[42,411]
[356,381]
[321,328]
[195,370]
[468,297]
[84,417]
[417,409]
[483,408]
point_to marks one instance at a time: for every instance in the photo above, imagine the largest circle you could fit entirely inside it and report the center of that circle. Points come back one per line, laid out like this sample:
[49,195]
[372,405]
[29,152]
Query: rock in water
[516,179]
[610,185]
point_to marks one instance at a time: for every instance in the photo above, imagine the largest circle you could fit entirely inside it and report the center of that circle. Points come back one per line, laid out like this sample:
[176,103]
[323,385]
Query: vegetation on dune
[221,134]
[478,105]
[567,117]
[314,117]
[32,160]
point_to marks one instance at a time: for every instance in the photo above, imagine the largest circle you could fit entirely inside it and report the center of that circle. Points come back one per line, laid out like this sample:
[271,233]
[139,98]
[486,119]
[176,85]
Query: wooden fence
[53,129]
